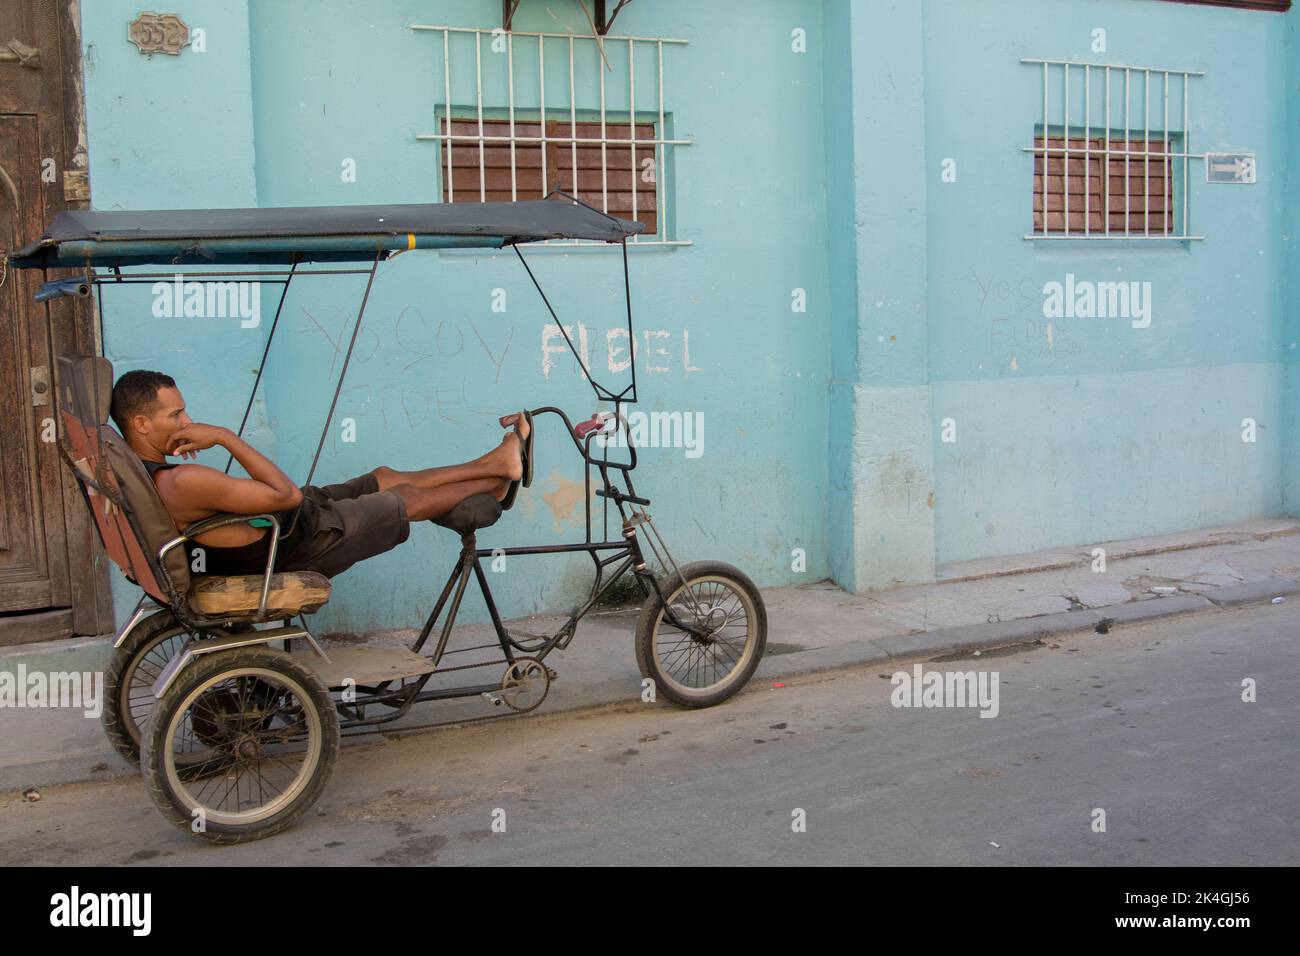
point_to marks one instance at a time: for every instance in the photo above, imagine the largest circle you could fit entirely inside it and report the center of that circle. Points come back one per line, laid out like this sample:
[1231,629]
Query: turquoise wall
[881,464]
[1103,430]
[172,133]
[1066,431]
[814,173]
[301,89]
[1291,268]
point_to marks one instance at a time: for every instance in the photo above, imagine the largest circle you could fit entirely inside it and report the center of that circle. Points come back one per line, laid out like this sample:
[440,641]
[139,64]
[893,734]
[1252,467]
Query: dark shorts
[339,525]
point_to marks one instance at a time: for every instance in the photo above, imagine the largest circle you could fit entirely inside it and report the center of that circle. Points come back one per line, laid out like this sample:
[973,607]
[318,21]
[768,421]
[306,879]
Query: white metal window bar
[1043,148]
[660,143]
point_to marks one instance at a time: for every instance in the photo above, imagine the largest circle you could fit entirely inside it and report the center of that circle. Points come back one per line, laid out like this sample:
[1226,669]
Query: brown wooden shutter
[618,184]
[1150,187]
[495,179]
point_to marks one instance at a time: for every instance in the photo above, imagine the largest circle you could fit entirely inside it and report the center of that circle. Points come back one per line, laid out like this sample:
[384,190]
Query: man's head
[148,409]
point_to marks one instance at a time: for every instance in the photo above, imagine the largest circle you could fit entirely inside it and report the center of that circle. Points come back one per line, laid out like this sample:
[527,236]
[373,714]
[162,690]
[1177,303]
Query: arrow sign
[1230,168]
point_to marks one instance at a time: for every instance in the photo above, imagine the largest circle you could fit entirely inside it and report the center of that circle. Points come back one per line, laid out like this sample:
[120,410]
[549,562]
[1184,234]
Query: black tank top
[244,559]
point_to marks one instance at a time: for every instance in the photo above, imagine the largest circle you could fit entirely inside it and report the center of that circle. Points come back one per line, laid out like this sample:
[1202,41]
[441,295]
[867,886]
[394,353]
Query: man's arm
[266,489]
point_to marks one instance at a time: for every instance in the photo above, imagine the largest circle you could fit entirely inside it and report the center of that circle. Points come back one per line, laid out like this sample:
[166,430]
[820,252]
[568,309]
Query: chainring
[525,684]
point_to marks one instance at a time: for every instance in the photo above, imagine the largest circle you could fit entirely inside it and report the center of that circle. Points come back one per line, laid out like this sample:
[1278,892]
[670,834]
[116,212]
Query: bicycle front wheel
[719,637]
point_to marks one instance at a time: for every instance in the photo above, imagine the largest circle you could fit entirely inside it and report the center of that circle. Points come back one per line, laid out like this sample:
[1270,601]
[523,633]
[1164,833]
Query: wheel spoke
[686,658]
[677,655]
[244,745]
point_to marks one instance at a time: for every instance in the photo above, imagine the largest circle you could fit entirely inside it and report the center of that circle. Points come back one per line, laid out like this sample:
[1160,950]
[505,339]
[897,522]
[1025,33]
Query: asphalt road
[1146,723]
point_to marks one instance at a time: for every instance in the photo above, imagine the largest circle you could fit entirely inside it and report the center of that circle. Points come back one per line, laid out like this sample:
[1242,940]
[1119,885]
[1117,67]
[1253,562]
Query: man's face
[167,417]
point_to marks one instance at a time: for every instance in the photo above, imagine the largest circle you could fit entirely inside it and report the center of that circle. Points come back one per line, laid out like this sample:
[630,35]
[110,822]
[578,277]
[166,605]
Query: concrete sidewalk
[976,605]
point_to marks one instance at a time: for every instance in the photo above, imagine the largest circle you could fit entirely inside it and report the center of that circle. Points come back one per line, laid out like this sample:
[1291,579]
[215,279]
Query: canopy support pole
[329,417]
[602,393]
[627,298]
[284,291]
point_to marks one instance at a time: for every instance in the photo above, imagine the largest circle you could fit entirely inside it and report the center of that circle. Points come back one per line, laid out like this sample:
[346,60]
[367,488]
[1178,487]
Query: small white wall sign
[1229,167]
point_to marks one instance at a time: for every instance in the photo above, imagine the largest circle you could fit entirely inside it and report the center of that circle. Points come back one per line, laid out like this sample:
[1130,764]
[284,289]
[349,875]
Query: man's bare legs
[432,492]
[424,503]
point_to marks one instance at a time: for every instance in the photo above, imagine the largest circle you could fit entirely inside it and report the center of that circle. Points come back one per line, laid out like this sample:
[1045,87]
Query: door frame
[81,593]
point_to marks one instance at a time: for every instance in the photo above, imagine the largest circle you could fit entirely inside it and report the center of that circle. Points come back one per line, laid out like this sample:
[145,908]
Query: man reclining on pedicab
[337,525]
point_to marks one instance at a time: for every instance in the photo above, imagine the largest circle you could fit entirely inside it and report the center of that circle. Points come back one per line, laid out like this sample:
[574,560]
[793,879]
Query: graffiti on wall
[1012,309]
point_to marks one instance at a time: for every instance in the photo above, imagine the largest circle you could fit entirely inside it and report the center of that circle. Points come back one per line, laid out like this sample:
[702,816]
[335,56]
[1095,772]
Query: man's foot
[524,425]
[519,464]
[509,458]
[512,446]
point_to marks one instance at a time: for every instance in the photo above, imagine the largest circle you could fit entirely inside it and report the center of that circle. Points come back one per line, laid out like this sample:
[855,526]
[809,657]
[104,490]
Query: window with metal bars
[1111,157]
[613,169]
[522,114]
[1124,186]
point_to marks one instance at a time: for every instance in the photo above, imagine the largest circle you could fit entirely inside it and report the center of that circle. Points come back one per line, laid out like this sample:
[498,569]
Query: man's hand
[195,490]
[187,442]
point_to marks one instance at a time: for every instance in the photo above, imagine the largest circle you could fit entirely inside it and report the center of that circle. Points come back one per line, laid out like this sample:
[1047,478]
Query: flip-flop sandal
[526,446]
[528,450]
[508,501]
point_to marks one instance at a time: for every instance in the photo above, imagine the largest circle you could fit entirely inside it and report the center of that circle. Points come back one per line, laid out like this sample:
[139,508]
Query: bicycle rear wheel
[241,745]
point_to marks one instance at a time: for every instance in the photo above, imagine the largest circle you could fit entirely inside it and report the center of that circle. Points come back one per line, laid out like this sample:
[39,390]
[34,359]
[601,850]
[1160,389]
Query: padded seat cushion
[292,592]
[475,512]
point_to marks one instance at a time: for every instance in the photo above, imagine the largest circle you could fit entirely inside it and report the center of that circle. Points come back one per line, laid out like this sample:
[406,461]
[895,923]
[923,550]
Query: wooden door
[52,580]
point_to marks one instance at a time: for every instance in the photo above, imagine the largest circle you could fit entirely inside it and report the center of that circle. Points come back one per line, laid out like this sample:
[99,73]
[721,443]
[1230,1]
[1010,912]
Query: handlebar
[582,434]
[594,422]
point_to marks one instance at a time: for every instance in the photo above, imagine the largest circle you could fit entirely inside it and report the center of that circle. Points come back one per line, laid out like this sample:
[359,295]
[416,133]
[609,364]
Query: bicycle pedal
[565,634]
[495,699]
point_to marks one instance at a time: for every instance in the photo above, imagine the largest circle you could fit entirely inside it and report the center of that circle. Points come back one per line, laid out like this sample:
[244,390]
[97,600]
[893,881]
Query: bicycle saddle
[475,512]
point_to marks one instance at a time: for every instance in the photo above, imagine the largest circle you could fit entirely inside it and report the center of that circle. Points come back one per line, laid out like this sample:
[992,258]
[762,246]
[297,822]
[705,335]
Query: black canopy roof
[308,233]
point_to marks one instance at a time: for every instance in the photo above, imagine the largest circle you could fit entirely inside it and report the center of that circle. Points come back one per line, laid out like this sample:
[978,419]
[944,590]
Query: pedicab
[234,711]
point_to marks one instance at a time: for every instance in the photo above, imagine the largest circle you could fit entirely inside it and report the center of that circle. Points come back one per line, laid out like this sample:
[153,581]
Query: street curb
[888,650]
[1239,594]
[1148,608]
[1084,556]
[981,637]
[69,653]
[60,771]
[1022,631]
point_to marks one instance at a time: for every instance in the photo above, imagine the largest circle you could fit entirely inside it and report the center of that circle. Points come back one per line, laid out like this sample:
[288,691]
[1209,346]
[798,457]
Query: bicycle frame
[627,553]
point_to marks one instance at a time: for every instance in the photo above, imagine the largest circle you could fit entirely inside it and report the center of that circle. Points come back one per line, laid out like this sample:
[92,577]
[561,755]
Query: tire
[151,643]
[221,691]
[714,584]
[128,699]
